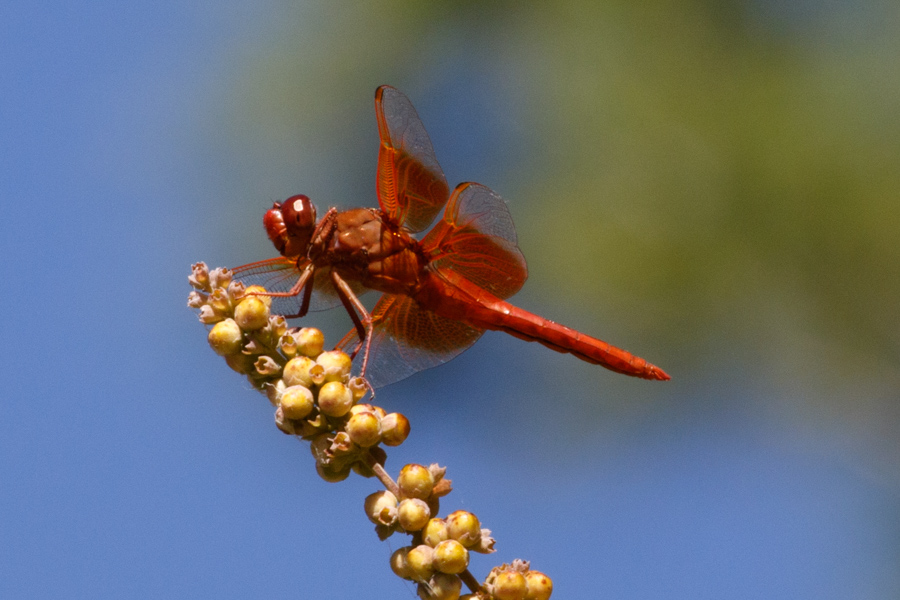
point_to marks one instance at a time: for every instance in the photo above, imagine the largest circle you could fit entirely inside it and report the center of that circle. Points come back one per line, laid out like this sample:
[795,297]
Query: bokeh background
[712,185]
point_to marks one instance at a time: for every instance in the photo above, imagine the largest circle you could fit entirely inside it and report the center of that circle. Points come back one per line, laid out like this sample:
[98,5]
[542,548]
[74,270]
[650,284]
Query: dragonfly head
[290,225]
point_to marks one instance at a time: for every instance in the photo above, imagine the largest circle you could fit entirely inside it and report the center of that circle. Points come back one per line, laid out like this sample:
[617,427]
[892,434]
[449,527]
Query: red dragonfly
[440,293]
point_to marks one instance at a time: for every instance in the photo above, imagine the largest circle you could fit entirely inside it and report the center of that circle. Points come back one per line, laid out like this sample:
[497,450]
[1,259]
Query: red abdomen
[450,295]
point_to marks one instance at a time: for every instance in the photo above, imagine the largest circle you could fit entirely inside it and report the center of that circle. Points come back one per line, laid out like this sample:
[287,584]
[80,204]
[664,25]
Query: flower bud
[394,429]
[252,313]
[464,527]
[335,399]
[415,481]
[266,366]
[235,291]
[539,586]
[225,337]
[485,543]
[208,316]
[278,326]
[364,428]
[297,402]
[196,299]
[381,508]
[341,444]
[219,301]
[199,277]
[359,387]
[220,277]
[288,345]
[413,514]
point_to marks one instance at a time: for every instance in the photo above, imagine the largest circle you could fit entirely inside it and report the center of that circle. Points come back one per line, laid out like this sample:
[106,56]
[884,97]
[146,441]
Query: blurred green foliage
[718,181]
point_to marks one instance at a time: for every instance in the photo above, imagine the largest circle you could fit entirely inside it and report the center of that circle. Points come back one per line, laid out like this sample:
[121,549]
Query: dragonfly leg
[324,226]
[299,286]
[362,320]
[307,291]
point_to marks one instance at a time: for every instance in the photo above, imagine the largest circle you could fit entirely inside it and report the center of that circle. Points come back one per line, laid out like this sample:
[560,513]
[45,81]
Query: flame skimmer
[440,293]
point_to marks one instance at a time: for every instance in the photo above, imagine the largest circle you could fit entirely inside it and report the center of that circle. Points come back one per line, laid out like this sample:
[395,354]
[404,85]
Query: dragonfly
[439,293]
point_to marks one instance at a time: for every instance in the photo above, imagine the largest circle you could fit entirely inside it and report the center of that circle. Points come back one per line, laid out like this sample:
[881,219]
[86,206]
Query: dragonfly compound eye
[290,225]
[299,215]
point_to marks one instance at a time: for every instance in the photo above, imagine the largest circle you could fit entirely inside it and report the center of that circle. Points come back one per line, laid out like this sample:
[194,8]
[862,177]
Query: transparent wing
[477,239]
[278,275]
[407,339]
[411,186]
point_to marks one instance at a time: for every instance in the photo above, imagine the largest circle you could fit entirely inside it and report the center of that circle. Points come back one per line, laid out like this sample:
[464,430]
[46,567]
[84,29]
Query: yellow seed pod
[310,341]
[420,561]
[398,563]
[381,508]
[332,474]
[337,365]
[464,527]
[539,586]
[251,313]
[415,481]
[335,399]
[258,289]
[435,532]
[241,363]
[413,514]
[284,424]
[225,337]
[394,429]
[451,557]
[440,586]
[364,428]
[375,410]
[297,371]
[509,585]
[319,446]
[297,402]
